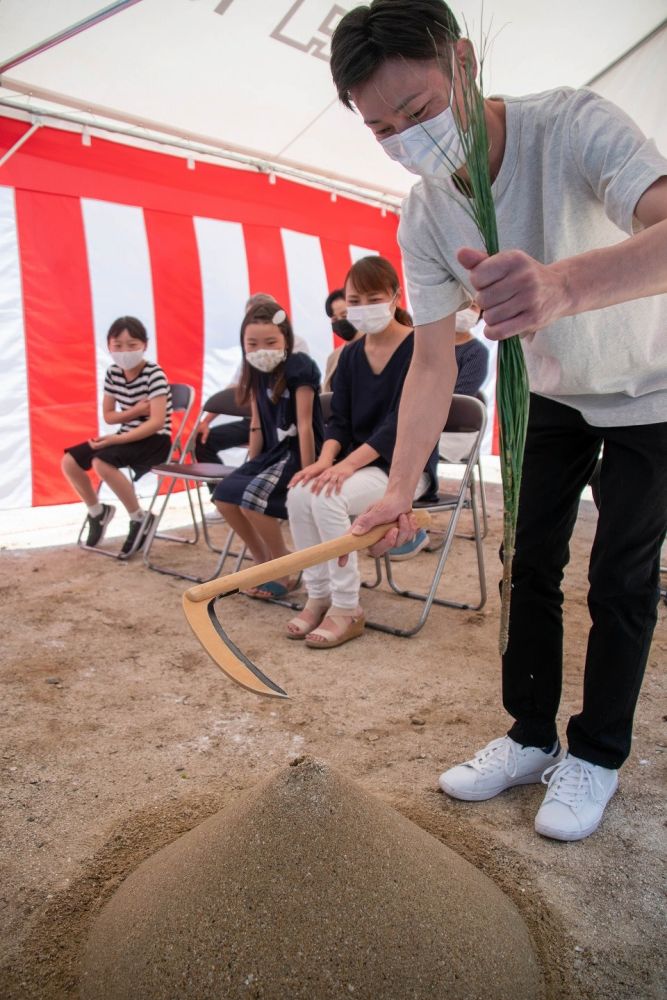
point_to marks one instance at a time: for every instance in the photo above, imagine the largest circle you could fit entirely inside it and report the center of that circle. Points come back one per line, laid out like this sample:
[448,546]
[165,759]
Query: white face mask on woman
[265,360]
[373,318]
[127,360]
[431,148]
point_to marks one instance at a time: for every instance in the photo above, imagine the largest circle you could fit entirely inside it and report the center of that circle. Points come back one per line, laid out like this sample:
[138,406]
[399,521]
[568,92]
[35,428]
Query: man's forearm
[632,269]
[425,402]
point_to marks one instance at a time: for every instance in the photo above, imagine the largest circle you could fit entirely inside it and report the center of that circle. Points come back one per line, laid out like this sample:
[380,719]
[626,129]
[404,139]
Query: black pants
[561,453]
[235,434]
[232,435]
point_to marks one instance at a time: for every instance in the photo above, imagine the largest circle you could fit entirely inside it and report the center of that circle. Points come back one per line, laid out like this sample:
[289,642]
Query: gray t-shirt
[573,171]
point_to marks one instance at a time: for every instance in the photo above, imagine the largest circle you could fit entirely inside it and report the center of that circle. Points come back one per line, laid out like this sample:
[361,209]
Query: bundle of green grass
[309,888]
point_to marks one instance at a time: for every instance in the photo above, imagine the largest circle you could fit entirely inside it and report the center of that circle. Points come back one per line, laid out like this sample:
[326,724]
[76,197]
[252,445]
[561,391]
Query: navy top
[300,369]
[472,361]
[364,405]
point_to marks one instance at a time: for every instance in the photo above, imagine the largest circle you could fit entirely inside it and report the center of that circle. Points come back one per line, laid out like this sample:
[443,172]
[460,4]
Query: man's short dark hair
[332,297]
[367,36]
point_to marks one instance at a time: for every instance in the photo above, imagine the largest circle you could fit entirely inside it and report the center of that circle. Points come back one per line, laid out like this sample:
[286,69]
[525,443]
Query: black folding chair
[193,475]
[466,415]
[445,456]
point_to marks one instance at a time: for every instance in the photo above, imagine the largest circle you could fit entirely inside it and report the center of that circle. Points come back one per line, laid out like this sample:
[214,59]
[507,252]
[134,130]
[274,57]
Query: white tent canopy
[251,77]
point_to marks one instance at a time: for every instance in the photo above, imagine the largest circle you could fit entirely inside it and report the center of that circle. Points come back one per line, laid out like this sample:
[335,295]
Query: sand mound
[309,887]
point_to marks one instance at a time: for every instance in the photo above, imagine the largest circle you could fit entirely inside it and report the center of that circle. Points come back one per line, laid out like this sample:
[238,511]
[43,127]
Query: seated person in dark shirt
[472,357]
[352,470]
[336,309]
[472,361]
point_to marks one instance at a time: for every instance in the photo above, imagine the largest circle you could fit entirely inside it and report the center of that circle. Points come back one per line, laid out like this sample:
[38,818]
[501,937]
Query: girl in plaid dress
[286,434]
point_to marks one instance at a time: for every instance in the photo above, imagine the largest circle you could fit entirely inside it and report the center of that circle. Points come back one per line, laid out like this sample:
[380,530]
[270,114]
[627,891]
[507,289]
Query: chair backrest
[467,414]
[224,402]
[325,403]
[462,436]
[182,399]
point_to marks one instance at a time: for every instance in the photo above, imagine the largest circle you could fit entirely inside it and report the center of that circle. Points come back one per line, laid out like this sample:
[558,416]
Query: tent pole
[19,142]
[61,36]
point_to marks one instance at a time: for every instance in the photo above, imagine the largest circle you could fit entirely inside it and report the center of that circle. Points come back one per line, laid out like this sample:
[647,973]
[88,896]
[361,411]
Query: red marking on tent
[267,271]
[60,350]
[177,297]
[495,441]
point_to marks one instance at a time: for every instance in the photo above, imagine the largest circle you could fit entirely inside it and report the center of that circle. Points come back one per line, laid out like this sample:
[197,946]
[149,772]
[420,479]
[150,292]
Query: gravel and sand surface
[119,735]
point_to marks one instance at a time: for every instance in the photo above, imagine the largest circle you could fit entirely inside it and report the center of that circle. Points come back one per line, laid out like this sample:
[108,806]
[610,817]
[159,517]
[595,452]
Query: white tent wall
[91,232]
[638,84]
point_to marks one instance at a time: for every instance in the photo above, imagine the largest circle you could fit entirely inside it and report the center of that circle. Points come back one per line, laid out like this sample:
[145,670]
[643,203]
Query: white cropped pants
[316,518]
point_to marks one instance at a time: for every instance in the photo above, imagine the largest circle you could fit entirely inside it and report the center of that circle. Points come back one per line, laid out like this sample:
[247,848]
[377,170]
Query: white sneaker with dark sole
[577,794]
[501,764]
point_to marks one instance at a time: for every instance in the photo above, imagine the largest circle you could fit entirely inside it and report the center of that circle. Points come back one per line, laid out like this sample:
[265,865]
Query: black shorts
[140,456]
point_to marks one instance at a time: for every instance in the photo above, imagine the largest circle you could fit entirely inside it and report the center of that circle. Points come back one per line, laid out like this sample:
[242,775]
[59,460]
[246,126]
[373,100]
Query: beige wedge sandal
[336,628]
[310,616]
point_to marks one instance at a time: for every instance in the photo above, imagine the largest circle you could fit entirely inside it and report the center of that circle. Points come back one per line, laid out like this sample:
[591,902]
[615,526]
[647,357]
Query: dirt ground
[119,734]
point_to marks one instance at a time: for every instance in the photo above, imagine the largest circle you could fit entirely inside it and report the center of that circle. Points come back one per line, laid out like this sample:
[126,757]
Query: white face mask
[265,360]
[371,319]
[466,319]
[431,148]
[127,360]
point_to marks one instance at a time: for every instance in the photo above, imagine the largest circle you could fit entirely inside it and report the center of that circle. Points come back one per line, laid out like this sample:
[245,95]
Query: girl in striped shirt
[136,396]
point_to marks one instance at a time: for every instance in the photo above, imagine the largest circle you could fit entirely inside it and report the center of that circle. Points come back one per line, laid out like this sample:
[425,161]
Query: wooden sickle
[199,601]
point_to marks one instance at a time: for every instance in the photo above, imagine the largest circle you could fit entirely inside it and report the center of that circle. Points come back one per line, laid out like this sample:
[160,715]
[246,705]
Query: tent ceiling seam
[306,127]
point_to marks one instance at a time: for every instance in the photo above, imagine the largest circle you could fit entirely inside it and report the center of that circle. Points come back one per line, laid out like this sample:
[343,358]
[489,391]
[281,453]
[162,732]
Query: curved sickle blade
[231,660]
[198,602]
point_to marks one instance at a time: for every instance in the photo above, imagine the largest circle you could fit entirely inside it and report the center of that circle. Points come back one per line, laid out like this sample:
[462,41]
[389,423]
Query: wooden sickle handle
[255,576]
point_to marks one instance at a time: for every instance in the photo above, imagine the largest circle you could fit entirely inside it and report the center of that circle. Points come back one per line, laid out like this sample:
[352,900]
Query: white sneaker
[501,764]
[214,516]
[577,793]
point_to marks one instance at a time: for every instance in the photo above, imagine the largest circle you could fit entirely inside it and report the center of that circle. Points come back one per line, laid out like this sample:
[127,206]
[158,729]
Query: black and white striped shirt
[149,383]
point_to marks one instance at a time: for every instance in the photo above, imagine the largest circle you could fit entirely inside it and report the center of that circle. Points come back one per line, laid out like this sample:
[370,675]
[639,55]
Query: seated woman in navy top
[286,431]
[352,470]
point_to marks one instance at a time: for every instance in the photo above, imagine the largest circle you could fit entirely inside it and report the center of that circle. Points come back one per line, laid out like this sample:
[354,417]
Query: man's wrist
[399,497]
[565,272]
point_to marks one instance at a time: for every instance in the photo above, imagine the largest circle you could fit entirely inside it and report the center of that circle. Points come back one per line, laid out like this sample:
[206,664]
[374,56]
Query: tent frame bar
[19,142]
[62,36]
[633,48]
[383,201]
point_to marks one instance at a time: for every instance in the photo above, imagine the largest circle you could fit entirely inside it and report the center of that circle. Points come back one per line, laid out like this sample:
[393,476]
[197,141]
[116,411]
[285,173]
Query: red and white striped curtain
[89,233]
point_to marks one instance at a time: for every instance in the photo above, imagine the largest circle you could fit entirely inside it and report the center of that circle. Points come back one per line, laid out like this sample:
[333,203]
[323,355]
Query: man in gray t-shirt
[581,202]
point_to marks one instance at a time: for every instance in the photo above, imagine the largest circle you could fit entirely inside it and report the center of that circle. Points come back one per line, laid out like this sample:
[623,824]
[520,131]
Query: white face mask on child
[265,360]
[371,319]
[127,360]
